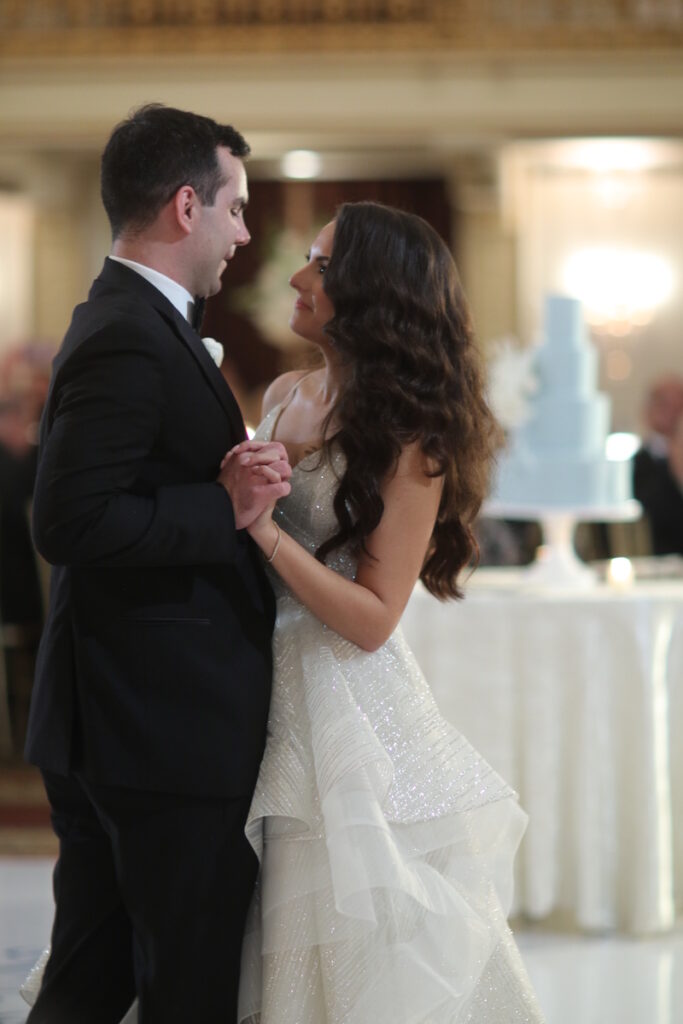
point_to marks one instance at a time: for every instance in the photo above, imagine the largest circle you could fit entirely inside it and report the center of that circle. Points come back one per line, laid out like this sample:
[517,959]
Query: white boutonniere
[215,350]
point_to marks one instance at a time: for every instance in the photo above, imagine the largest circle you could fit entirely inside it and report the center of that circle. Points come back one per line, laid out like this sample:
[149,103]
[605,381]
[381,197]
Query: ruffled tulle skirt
[386,845]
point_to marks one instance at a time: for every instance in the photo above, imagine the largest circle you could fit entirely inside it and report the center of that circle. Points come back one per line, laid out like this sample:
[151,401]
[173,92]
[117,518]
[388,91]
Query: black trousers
[151,895]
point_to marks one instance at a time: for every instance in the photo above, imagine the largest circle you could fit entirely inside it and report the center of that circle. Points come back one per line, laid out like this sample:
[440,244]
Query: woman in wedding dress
[386,842]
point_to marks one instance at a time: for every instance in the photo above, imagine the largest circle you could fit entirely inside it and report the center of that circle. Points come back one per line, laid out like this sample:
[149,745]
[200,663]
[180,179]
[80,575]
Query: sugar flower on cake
[511,381]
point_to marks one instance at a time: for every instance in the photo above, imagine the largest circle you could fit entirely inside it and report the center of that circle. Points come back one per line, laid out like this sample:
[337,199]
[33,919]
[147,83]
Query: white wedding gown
[386,842]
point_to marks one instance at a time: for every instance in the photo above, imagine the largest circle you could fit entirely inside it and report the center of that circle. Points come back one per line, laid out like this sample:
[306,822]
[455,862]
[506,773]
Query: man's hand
[255,474]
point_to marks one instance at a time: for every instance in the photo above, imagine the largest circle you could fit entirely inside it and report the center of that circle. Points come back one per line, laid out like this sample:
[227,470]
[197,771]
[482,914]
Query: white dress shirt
[174,292]
[177,296]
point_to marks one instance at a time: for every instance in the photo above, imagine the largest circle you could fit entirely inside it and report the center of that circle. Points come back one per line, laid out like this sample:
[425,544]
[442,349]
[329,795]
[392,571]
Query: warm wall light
[606,156]
[620,288]
[301,163]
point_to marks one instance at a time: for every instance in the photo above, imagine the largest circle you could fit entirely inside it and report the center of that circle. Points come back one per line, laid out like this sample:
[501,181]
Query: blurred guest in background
[19,589]
[24,377]
[658,466]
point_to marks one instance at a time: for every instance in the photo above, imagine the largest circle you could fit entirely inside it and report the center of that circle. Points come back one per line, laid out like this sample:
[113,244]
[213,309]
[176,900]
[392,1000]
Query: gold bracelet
[277,544]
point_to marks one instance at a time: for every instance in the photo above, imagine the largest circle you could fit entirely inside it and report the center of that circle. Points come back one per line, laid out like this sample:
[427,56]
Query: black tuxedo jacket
[154,668]
[655,487]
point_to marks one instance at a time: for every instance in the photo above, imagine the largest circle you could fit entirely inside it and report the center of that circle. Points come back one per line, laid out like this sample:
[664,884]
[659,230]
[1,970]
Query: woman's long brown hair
[402,329]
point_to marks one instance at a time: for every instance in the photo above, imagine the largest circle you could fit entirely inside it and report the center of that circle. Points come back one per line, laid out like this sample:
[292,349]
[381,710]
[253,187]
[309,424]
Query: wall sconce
[301,163]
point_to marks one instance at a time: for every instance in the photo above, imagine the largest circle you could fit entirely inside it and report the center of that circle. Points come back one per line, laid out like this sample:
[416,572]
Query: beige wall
[487,267]
[391,113]
[17,229]
[58,247]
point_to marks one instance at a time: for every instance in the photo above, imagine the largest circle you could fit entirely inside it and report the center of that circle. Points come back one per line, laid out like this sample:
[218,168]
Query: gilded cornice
[71,28]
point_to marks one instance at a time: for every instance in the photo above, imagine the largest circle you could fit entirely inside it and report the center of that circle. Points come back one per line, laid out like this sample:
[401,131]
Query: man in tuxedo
[658,466]
[150,702]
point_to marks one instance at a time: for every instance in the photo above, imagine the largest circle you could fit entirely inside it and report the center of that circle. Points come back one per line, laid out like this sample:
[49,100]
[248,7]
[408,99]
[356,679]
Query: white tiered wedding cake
[556,459]
[555,468]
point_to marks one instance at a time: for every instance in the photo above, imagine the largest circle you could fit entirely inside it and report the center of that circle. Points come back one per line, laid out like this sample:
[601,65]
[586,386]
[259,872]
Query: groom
[151,695]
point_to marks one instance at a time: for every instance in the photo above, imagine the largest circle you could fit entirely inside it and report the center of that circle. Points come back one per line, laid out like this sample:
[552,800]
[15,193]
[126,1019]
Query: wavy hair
[402,329]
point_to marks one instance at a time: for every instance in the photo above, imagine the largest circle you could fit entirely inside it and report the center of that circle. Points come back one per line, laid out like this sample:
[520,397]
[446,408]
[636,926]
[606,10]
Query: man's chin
[215,287]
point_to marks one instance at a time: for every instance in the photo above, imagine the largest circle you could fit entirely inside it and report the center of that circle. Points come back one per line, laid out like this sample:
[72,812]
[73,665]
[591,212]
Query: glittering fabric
[386,841]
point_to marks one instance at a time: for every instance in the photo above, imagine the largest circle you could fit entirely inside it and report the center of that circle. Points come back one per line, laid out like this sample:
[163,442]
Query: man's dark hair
[156,151]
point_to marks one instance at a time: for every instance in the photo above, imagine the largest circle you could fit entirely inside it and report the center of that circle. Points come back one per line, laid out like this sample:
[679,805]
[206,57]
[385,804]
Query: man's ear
[185,206]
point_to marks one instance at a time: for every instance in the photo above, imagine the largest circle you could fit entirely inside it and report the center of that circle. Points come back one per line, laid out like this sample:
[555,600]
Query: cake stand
[556,562]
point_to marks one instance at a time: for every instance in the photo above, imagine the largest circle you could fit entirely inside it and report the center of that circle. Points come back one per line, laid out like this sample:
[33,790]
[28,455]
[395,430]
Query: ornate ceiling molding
[69,28]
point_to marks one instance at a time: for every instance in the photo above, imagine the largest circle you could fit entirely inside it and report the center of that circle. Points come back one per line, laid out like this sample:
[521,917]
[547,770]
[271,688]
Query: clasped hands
[255,474]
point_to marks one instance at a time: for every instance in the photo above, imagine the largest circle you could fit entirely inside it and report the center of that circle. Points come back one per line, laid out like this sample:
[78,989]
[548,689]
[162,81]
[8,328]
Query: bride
[385,840]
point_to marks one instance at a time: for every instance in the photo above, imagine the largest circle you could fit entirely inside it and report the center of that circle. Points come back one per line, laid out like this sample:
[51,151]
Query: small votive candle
[620,573]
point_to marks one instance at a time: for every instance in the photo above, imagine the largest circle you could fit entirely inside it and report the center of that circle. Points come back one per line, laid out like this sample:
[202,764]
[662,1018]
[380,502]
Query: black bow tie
[198,312]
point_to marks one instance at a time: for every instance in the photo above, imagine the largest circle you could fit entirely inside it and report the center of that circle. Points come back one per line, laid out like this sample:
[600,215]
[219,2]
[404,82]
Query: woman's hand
[269,458]
[255,474]
[266,533]
[265,457]
[263,524]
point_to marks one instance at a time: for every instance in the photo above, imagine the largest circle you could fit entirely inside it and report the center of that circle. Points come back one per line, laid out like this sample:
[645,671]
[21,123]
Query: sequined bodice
[307,513]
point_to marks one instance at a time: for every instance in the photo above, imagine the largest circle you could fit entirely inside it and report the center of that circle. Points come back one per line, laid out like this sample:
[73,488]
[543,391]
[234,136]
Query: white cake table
[557,563]
[576,697]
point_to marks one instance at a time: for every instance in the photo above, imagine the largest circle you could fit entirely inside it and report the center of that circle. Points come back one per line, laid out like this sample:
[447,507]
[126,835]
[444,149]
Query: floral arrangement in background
[269,300]
[512,381]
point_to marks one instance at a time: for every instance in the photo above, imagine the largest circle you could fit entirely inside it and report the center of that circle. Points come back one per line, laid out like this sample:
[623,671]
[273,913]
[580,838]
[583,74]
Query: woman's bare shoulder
[278,389]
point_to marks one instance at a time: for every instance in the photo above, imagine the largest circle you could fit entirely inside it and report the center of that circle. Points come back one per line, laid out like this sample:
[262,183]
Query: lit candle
[620,573]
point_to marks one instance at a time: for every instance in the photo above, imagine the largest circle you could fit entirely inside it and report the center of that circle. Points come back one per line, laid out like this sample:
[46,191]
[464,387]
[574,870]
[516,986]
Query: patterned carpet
[24,814]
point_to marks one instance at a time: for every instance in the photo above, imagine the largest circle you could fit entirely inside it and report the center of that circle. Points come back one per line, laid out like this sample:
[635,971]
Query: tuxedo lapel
[213,375]
[117,276]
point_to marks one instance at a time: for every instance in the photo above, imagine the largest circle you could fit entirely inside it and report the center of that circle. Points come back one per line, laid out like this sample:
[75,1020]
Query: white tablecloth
[577,699]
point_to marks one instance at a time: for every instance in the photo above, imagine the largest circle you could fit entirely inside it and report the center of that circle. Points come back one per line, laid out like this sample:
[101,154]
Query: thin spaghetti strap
[285,402]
